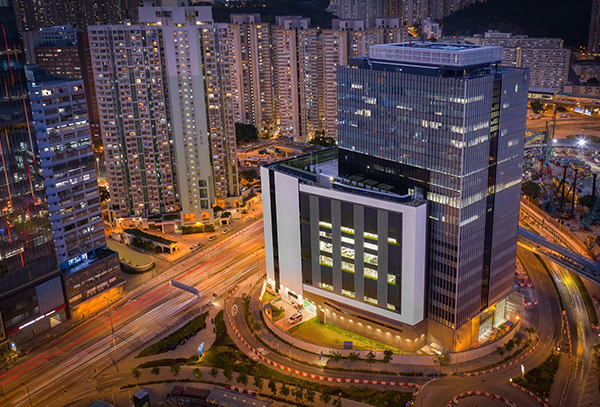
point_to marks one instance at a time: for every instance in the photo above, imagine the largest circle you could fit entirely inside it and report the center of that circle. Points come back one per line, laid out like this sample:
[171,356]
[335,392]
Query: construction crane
[548,139]
[588,219]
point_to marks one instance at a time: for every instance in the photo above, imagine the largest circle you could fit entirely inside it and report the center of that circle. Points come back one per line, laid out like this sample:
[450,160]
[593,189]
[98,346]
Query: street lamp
[30,403]
[112,328]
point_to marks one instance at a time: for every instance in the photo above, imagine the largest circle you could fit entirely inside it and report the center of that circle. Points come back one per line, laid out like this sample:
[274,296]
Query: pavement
[435,394]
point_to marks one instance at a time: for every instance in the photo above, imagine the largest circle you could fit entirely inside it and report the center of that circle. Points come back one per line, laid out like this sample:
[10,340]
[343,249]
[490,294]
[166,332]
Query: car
[249,218]
[215,295]
[196,246]
[297,317]
[213,237]
[226,230]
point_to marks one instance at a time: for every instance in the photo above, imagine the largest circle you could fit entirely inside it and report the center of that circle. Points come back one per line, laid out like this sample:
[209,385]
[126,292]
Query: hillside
[568,20]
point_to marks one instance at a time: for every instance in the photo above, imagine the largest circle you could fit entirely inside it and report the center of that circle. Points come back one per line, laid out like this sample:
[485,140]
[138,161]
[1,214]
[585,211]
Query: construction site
[566,167]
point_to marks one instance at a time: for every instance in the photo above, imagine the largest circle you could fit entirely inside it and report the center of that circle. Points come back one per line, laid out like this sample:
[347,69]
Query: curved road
[442,390]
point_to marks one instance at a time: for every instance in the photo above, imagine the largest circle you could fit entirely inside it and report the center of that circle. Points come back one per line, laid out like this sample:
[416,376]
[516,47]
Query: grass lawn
[331,336]
[224,353]
[267,296]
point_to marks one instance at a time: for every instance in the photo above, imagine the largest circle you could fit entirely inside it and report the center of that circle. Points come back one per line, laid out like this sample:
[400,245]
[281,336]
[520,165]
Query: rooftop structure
[433,53]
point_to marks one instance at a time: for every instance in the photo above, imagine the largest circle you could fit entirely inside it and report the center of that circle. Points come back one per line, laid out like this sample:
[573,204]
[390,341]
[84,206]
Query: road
[579,325]
[444,389]
[62,371]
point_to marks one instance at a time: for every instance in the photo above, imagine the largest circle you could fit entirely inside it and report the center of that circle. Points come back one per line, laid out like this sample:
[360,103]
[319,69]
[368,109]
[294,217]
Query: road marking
[234,310]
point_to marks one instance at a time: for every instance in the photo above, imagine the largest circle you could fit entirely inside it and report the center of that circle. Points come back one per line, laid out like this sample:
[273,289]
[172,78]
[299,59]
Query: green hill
[568,20]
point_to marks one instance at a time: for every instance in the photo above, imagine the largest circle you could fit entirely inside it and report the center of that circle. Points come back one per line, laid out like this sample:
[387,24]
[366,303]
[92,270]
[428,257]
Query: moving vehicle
[213,237]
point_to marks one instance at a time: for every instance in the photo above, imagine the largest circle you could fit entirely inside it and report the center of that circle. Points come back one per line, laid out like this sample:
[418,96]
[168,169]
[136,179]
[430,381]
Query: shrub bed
[164,345]
[540,379]
[161,362]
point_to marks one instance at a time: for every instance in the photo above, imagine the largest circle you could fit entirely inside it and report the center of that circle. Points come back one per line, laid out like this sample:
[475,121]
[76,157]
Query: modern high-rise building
[351,39]
[32,299]
[440,122]
[295,64]
[547,60]
[68,166]
[250,60]
[167,113]
[34,14]
[593,47]
[138,142]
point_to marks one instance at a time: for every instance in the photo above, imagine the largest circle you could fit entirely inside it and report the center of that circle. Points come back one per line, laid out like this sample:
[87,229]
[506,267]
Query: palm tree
[197,373]
[370,358]
[500,351]
[214,372]
[353,357]
[335,356]
[387,358]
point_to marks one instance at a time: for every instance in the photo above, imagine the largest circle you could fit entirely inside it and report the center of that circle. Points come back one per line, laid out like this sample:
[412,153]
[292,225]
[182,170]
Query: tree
[155,370]
[104,194]
[337,402]
[242,379]
[387,357]
[500,351]
[531,189]
[537,106]
[258,382]
[518,340]
[310,396]
[135,372]
[248,175]
[319,139]
[272,385]
[531,330]
[197,373]
[214,373]
[442,360]
[209,228]
[325,398]
[335,356]
[353,357]
[299,394]
[175,369]
[228,373]
[509,345]
[284,390]
[245,133]
[148,245]
[370,358]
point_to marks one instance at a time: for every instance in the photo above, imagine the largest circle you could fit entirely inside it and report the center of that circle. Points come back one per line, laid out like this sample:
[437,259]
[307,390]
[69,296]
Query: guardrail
[481,393]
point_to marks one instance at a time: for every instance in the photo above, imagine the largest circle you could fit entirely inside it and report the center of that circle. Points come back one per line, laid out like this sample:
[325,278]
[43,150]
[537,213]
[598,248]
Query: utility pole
[112,328]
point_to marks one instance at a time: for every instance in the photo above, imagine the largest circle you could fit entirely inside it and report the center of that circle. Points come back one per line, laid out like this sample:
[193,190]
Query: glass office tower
[445,122]
[30,283]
